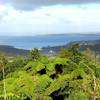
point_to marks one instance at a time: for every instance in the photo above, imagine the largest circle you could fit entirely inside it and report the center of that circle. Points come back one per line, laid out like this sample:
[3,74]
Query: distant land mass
[94,45]
[11,51]
[91,44]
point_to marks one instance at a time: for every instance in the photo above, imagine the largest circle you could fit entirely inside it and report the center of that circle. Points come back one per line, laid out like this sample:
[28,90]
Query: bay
[39,41]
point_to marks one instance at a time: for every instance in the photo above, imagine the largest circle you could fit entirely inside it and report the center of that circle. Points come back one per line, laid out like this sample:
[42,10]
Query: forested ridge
[94,45]
[12,51]
[70,75]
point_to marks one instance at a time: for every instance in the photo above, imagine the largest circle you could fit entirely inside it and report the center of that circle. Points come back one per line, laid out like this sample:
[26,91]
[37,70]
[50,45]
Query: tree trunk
[4,83]
[94,92]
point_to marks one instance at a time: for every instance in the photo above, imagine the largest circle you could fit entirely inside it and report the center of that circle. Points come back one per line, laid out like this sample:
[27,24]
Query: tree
[65,53]
[35,54]
[76,55]
[75,48]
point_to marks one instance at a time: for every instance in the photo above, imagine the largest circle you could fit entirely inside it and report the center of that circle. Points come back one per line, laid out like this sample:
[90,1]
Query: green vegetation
[71,75]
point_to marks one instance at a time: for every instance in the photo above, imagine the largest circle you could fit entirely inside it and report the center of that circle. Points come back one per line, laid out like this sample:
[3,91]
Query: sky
[33,17]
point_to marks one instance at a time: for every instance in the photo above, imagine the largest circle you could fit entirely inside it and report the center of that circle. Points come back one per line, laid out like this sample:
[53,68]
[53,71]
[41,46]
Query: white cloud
[48,20]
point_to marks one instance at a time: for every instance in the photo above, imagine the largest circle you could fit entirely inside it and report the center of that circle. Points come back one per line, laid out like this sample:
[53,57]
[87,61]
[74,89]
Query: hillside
[93,45]
[11,51]
[70,75]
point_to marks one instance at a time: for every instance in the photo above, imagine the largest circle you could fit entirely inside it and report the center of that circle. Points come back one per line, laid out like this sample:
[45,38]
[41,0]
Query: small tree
[75,52]
[75,48]
[65,53]
[35,54]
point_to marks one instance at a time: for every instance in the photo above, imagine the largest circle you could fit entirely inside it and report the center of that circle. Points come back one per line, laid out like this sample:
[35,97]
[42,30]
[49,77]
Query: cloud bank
[32,4]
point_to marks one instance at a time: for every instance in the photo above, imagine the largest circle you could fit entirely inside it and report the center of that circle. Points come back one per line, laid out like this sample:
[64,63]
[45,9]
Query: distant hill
[92,44]
[11,51]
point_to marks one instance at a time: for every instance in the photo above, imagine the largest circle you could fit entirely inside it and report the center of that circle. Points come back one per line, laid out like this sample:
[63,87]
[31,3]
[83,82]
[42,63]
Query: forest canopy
[70,75]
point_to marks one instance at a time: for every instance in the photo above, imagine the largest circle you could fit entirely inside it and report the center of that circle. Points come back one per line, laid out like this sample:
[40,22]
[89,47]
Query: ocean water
[28,42]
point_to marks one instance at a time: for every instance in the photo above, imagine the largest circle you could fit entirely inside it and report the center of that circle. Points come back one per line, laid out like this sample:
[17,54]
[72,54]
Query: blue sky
[29,17]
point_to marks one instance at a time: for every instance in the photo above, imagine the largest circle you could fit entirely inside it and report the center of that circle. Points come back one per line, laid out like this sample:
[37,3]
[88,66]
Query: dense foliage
[69,76]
